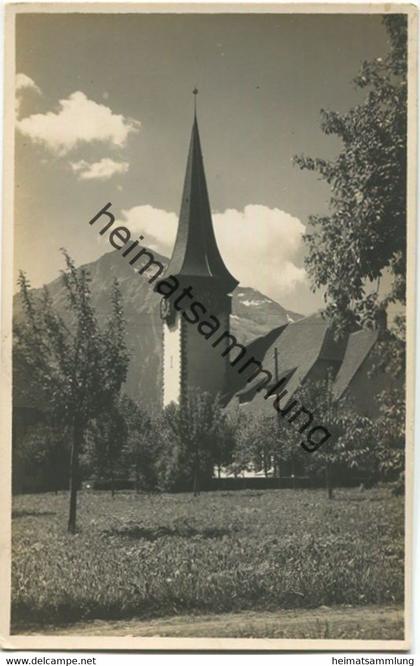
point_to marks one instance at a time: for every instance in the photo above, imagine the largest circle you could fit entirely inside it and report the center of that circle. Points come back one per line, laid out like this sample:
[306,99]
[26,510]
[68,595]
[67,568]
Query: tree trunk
[55,469]
[56,477]
[265,465]
[329,484]
[112,484]
[137,480]
[74,476]
[196,475]
[277,472]
[293,473]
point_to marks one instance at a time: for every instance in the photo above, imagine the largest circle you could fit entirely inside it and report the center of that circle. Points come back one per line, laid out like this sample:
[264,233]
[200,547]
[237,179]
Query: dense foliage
[364,234]
[390,358]
[193,437]
[266,443]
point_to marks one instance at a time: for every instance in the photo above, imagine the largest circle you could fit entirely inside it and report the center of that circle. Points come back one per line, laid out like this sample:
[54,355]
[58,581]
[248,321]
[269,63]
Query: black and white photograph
[208,272]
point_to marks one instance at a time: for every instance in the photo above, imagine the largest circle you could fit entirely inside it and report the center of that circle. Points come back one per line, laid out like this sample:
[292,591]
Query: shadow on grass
[23,514]
[245,492]
[358,498]
[152,534]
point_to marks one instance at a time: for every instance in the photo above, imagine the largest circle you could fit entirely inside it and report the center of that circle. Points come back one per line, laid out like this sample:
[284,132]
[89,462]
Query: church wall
[204,365]
[171,362]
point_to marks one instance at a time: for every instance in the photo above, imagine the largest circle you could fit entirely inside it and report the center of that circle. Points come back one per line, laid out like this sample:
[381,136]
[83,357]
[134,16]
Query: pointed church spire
[195,253]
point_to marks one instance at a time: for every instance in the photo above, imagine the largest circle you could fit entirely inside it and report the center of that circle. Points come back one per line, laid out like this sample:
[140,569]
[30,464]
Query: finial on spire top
[195,93]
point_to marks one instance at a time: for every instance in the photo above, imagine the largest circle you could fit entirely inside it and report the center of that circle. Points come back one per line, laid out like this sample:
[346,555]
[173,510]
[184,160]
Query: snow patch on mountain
[255,302]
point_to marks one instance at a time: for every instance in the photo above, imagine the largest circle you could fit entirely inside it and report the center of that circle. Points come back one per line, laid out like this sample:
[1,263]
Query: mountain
[253,315]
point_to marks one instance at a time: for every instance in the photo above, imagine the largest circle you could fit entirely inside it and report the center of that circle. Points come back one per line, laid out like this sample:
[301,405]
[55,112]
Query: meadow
[164,555]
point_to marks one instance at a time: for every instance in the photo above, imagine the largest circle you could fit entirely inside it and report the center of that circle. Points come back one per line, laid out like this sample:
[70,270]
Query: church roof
[301,347]
[257,349]
[358,348]
[195,253]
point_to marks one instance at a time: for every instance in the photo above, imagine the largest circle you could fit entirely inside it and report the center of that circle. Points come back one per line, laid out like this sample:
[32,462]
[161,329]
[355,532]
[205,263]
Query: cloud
[157,226]
[77,120]
[102,170]
[259,245]
[22,83]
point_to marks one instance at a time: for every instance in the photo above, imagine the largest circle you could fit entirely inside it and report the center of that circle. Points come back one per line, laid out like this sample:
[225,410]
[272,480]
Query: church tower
[189,360]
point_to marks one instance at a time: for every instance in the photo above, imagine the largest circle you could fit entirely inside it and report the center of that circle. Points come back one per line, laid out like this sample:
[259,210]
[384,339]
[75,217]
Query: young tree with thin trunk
[78,367]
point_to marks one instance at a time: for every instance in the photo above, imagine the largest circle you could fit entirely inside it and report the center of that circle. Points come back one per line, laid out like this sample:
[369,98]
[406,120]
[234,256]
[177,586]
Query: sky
[104,108]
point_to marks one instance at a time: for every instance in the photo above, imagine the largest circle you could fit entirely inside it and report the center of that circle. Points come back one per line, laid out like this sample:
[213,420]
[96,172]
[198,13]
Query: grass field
[155,556]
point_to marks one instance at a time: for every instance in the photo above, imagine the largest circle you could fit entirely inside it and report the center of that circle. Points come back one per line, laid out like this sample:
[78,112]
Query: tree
[365,232]
[78,367]
[264,442]
[256,442]
[389,358]
[191,441]
[224,442]
[352,443]
[140,449]
[40,457]
[247,445]
[107,436]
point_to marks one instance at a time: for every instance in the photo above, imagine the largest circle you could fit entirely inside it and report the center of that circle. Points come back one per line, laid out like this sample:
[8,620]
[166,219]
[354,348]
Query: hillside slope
[253,315]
